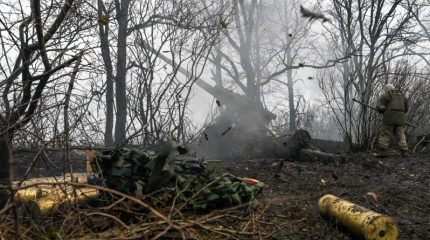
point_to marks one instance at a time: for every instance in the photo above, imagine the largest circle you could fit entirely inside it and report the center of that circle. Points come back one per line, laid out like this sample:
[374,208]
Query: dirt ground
[401,186]
[294,188]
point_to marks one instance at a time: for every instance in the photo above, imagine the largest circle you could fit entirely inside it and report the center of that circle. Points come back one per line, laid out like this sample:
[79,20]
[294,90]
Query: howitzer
[362,103]
[238,103]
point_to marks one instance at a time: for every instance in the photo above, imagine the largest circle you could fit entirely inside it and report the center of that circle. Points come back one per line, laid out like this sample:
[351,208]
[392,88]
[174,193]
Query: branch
[334,62]
[54,27]
[39,33]
[147,23]
[56,69]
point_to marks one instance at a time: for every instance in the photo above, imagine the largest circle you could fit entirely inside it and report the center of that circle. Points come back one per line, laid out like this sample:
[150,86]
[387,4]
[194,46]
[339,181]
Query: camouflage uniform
[393,105]
[399,132]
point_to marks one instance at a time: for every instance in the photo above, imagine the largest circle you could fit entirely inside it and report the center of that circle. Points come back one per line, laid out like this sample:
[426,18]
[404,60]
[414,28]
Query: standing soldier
[393,104]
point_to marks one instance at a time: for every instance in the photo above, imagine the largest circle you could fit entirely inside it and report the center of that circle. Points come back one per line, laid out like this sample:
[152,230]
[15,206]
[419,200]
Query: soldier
[393,104]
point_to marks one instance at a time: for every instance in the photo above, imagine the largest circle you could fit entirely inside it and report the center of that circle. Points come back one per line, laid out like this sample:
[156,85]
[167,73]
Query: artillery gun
[239,112]
[242,118]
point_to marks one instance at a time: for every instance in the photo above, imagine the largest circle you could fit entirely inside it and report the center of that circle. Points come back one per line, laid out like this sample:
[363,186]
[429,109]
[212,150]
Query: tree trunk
[109,110]
[4,159]
[121,100]
[104,47]
[290,75]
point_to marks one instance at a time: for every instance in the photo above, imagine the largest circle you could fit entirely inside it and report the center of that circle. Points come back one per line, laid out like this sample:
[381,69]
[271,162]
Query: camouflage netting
[139,173]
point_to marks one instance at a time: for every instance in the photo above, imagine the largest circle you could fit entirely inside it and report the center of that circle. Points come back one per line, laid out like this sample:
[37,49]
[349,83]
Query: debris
[226,131]
[312,15]
[373,195]
[218,103]
[322,182]
[250,180]
[361,222]
[384,163]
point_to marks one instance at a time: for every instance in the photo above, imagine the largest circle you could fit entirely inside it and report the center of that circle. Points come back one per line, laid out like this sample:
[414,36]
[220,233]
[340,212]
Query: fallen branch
[424,137]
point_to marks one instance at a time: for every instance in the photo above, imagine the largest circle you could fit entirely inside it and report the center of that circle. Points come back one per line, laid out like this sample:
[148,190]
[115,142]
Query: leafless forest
[99,74]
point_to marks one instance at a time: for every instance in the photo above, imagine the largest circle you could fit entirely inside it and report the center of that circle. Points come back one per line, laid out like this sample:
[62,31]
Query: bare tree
[182,16]
[363,32]
[40,36]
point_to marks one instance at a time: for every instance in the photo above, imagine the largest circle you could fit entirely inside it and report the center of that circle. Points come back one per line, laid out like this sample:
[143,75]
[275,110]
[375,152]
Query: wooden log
[361,222]
[50,205]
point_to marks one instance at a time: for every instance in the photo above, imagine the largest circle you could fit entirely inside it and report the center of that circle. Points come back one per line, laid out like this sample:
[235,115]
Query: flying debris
[226,131]
[312,15]
[218,103]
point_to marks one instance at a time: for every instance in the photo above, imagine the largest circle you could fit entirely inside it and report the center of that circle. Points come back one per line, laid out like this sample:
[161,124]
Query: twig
[107,215]
[199,220]
[33,163]
[162,233]
[177,195]
[113,204]
[66,113]
[223,231]
[155,212]
[244,219]
[425,135]
[6,208]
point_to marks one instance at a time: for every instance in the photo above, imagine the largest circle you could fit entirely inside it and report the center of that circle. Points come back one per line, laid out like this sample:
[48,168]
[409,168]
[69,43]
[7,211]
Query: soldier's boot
[405,153]
[382,153]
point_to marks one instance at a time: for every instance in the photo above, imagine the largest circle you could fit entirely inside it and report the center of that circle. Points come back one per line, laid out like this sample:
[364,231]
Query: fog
[260,58]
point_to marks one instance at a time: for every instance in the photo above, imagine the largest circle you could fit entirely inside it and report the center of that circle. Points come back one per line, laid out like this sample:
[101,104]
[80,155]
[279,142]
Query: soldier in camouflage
[393,104]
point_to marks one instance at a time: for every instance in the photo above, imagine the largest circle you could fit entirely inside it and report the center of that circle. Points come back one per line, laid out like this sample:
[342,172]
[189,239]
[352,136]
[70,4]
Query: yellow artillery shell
[360,221]
[79,177]
[48,191]
[50,205]
[42,180]
[25,195]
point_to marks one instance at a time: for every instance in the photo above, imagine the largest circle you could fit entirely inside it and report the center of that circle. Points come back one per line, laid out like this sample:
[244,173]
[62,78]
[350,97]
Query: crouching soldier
[393,104]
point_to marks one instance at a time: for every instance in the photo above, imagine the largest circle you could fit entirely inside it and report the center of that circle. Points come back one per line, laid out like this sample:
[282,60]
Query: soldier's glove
[381,109]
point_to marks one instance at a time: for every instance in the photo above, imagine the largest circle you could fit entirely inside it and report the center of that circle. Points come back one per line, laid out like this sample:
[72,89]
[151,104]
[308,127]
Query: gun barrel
[362,103]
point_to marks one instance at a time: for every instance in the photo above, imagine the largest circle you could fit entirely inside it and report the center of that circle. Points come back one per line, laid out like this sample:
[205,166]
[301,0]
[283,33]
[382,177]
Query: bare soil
[294,188]
[400,184]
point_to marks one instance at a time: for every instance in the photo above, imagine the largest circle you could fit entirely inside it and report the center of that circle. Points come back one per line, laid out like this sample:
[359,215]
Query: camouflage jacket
[393,105]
